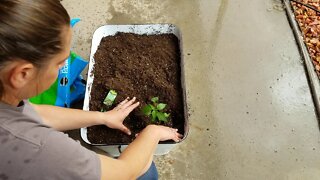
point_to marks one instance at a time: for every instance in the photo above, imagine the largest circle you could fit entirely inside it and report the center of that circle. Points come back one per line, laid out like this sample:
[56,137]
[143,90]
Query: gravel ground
[309,22]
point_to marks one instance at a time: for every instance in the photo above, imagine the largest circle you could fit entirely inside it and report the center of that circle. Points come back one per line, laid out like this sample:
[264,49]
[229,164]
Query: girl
[35,40]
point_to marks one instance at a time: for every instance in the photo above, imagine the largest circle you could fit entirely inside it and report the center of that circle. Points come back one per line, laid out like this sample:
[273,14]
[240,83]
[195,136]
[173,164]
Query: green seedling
[109,99]
[155,110]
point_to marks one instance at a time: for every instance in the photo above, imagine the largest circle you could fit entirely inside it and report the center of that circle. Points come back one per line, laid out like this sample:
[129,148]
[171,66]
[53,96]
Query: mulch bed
[309,22]
[141,66]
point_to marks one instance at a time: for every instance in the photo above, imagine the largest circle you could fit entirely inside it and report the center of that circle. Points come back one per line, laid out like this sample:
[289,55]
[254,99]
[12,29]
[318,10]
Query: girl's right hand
[166,133]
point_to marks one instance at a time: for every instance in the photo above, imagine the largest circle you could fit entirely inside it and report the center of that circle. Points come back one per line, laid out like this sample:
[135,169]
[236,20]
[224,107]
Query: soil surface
[141,66]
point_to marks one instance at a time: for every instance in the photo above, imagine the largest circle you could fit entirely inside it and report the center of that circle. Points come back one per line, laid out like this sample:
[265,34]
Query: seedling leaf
[155,111]
[155,99]
[152,107]
[161,117]
[154,116]
[161,106]
[147,110]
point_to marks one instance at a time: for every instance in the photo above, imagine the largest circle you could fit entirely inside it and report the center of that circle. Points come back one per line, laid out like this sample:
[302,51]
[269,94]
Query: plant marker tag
[111,96]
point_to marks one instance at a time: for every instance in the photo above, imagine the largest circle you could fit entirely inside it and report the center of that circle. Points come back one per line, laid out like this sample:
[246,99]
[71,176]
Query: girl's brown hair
[31,30]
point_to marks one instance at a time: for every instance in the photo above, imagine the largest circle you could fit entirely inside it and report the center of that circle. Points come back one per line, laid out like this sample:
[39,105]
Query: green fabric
[73,56]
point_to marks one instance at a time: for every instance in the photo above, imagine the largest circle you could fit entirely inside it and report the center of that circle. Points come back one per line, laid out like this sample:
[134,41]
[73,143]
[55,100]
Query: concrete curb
[309,68]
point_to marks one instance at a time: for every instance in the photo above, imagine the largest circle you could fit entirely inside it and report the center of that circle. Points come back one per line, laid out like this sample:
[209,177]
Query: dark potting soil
[141,66]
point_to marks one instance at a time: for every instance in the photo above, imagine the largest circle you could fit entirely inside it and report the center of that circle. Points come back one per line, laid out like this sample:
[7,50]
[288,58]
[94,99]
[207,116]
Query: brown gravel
[309,22]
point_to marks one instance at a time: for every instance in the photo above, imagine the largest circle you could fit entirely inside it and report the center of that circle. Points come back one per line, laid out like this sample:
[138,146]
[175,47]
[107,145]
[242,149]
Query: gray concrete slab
[252,115]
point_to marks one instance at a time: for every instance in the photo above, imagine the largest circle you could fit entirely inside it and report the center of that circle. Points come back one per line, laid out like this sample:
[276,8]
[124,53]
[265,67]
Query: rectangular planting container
[151,29]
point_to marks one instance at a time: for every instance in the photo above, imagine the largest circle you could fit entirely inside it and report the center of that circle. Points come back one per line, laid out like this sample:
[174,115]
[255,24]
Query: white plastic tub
[110,30]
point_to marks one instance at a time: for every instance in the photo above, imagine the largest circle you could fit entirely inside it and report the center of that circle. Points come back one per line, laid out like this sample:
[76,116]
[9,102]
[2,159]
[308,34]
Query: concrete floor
[252,116]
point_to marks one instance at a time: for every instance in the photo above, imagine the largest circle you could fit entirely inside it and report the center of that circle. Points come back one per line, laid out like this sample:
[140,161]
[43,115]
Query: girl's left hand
[115,117]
